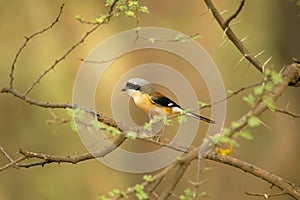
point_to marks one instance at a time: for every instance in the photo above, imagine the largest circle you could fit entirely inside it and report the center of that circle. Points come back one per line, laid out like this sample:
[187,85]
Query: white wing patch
[170,104]
[176,110]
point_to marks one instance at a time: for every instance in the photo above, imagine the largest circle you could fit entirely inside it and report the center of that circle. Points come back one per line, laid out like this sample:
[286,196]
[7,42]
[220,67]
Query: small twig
[266,196]
[237,12]
[27,39]
[287,113]
[14,163]
[6,154]
[233,93]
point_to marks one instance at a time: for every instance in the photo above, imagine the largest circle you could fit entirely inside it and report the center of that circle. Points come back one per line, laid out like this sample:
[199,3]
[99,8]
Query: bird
[154,103]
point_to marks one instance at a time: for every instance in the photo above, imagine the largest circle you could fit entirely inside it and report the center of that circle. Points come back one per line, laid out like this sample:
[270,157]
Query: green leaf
[139,192]
[270,103]
[144,9]
[244,134]
[181,118]
[196,37]
[226,132]
[114,131]
[129,13]
[70,112]
[109,2]
[73,125]
[147,126]
[202,104]
[276,77]
[259,90]
[182,38]
[133,4]
[253,121]
[189,192]
[229,91]
[114,192]
[224,139]
[147,178]
[250,99]
[77,17]
[267,72]
[168,122]
[204,194]
[96,124]
[152,40]
[101,19]
[103,198]
[269,86]
[236,124]
[131,135]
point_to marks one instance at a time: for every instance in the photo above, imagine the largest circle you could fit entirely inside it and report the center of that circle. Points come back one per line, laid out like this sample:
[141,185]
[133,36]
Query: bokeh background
[270,26]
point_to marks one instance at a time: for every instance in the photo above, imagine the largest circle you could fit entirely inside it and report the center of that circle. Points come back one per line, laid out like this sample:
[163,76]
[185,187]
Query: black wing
[161,100]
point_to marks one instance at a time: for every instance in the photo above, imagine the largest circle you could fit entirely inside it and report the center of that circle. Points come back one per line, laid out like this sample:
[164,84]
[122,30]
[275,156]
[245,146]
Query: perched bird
[155,103]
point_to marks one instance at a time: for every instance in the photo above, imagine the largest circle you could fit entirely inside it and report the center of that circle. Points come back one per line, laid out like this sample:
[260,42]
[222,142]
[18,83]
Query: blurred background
[270,26]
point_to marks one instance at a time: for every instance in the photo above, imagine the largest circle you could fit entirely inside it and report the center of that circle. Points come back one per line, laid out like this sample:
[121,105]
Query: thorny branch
[289,74]
[231,35]
[113,10]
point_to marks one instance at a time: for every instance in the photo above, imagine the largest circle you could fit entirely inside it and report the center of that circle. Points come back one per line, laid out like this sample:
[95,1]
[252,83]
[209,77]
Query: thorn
[223,12]
[204,13]
[247,55]
[265,125]
[224,32]
[223,42]
[248,66]
[236,23]
[259,53]
[239,62]
[265,63]
[244,39]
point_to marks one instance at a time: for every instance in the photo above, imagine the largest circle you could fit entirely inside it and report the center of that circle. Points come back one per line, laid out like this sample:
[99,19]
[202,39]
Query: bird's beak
[124,89]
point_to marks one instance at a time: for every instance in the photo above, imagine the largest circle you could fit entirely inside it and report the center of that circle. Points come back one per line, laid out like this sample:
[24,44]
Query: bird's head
[138,84]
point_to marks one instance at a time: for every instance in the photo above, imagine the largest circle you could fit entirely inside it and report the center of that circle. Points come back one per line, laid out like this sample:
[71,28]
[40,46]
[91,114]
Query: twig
[233,93]
[266,196]
[14,163]
[287,113]
[237,12]
[27,39]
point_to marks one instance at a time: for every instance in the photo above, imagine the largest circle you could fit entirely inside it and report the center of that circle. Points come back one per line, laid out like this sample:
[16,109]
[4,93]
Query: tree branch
[232,36]
[289,74]
[47,159]
[284,185]
[27,39]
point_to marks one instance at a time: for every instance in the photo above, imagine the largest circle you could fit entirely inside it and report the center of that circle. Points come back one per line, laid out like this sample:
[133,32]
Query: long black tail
[200,117]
